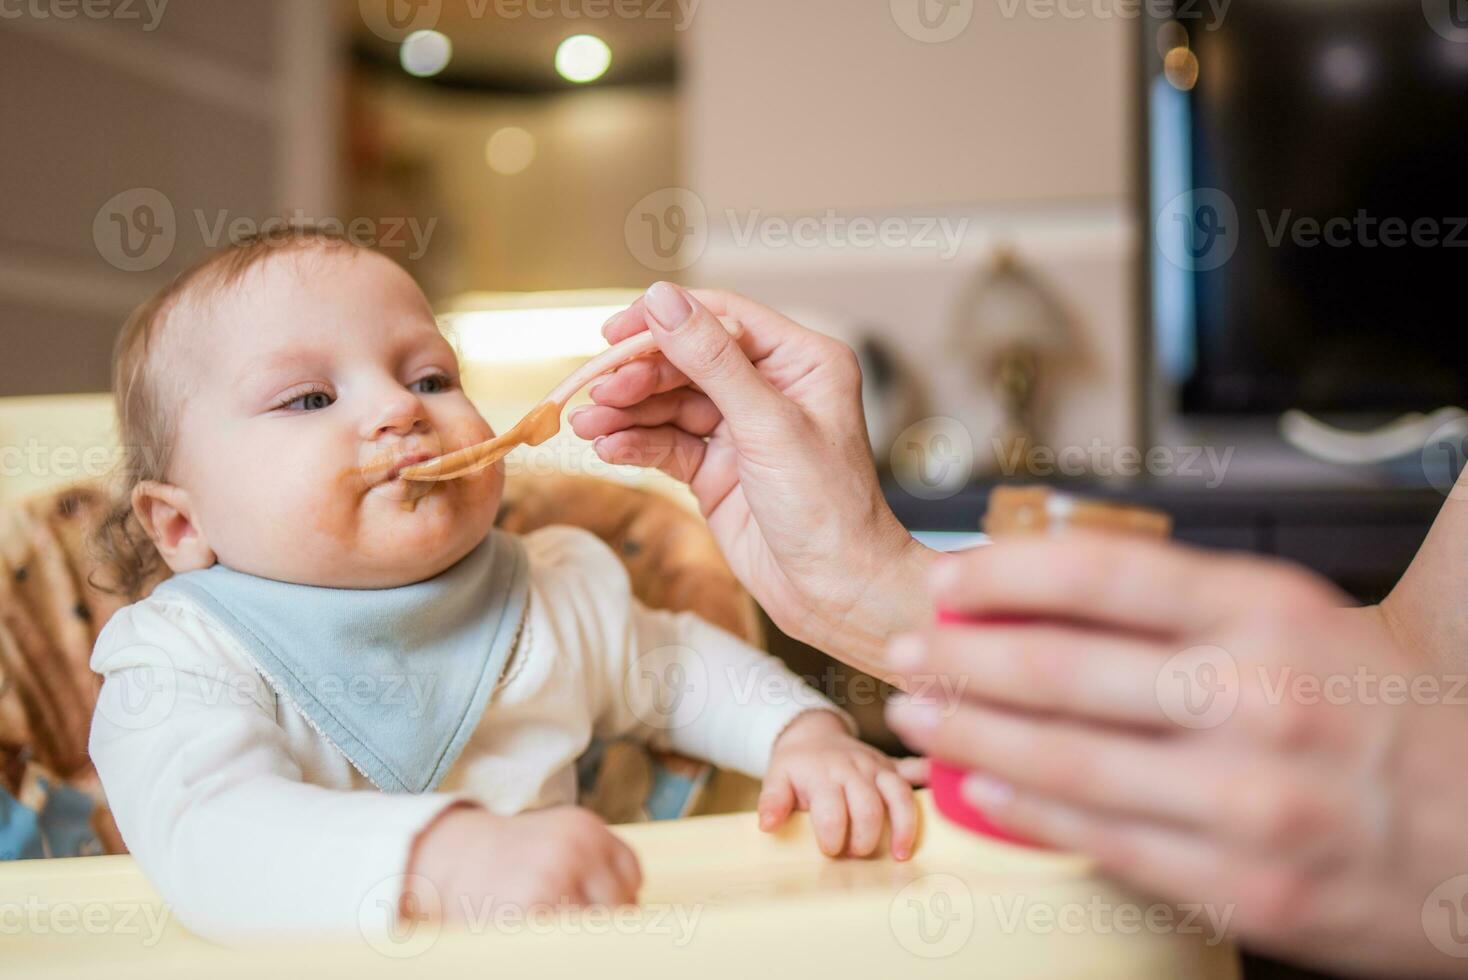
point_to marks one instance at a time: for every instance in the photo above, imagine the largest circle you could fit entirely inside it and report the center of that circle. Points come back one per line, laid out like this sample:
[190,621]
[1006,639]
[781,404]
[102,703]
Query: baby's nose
[402,417]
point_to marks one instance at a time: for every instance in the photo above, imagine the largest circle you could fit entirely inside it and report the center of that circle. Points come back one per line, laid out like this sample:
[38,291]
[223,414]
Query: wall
[1018,129]
[213,107]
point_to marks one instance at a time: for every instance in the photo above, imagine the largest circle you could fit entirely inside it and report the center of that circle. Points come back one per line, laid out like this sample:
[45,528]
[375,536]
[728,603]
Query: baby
[355,700]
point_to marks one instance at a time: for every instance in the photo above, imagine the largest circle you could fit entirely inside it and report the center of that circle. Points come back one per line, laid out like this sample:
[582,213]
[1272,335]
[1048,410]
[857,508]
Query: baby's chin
[407,537]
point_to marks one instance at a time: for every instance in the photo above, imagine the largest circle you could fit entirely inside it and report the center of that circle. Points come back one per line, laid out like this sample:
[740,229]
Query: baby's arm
[684,684]
[214,807]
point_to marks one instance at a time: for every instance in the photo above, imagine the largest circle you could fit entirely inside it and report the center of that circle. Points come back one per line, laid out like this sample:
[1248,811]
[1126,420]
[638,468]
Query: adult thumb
[697,343]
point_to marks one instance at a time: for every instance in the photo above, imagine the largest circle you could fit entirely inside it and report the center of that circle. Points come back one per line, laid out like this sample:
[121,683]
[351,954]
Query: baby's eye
[433,384]
[311,401]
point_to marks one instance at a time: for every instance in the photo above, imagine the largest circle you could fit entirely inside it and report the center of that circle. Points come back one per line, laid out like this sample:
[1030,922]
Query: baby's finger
[671,450]
[828,818]
[684,408]
[901,810]
[605,887]
[868,816]
[636,380]
[776,801]
[916,769]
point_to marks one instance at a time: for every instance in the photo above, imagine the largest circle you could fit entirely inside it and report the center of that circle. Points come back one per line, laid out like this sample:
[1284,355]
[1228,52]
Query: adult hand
[769,435]
[1211,729]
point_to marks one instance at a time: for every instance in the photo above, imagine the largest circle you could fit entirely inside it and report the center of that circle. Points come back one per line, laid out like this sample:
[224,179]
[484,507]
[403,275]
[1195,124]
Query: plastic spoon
[544,419]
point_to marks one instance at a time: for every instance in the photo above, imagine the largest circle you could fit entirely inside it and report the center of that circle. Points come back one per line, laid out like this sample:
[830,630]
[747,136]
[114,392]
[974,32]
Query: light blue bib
[397,678]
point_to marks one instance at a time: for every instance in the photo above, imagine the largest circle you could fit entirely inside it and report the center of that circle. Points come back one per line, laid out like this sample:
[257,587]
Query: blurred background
[1193,254]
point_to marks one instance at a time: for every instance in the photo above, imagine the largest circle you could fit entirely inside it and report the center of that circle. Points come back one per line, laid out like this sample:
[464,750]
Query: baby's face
[313,382]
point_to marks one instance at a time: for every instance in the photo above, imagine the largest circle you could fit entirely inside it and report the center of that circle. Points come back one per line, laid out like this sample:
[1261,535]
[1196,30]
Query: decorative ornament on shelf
[1016,333]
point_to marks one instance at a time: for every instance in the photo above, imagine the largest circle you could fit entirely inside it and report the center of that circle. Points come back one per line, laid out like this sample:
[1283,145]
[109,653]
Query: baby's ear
[166,514]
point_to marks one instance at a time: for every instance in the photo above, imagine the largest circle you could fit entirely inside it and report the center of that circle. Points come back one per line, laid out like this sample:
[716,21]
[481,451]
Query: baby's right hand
[561,856]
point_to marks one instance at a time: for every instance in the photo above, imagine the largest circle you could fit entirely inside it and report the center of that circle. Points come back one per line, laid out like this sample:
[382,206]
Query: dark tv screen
[1307,204]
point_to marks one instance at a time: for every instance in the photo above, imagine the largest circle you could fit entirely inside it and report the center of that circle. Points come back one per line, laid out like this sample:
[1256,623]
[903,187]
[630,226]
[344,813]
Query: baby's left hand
[844,783]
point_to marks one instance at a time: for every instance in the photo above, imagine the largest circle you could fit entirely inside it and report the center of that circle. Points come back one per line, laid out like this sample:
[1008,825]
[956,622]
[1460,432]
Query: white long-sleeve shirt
[247,820]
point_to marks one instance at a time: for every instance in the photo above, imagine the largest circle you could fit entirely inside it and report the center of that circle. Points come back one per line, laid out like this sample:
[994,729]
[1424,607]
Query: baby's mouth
[381,468]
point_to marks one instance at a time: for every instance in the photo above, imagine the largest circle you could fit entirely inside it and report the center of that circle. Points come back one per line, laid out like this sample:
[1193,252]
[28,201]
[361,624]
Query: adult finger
[671,450]
[1119,581]
[1083,673]
[694,340]
[636,380]
[685,409]
[1076,763]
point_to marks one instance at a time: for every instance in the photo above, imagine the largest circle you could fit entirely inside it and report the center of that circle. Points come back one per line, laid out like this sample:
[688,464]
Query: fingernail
[668,306]
[944,575]
[907,652]
[915,716]
[611,320]
[985,792]
[591,392]
[596,443]
[576,413]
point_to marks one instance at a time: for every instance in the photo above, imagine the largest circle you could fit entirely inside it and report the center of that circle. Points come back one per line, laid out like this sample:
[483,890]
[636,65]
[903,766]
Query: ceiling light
[583,58]
[509,150]
[425,53]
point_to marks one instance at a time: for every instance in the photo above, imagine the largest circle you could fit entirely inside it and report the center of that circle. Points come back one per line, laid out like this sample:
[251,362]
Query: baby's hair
[147,410]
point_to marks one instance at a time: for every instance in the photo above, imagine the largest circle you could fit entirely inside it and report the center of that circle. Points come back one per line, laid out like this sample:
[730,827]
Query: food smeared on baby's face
[313,382]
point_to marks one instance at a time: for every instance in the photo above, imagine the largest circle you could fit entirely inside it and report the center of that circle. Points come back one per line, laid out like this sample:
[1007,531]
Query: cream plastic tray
[720,900]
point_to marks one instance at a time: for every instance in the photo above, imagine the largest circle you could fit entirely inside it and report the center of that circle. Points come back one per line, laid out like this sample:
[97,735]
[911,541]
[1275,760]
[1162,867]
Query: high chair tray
[720,899]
